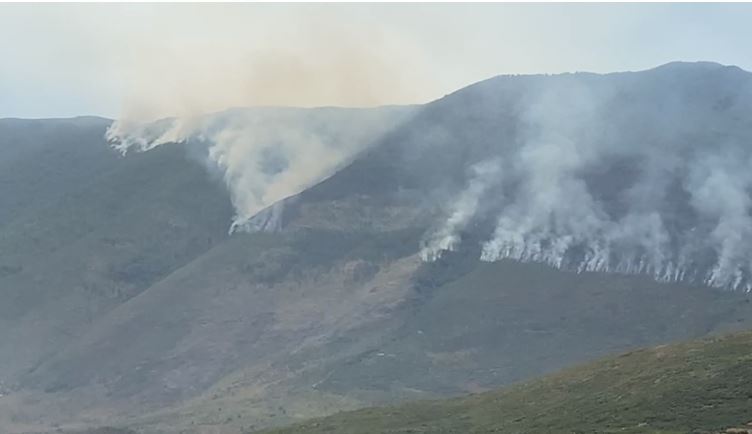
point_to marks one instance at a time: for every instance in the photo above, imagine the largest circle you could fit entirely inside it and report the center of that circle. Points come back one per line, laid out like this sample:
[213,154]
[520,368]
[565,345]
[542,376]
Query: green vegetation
[702,386]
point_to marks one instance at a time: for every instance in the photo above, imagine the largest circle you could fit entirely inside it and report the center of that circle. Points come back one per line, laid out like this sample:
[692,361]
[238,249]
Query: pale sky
[148,61]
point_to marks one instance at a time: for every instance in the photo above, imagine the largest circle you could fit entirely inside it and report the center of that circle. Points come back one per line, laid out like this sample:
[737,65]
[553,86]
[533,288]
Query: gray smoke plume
[265,155]
[620,173]
[643,172]
[446,237]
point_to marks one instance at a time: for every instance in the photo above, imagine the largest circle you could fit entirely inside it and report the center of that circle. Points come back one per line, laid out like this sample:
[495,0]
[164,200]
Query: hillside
[700,386]
[127,303]
[83,230]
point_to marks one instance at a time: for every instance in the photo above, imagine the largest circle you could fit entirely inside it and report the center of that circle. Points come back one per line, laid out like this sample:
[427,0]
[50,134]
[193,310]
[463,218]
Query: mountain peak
[701,67]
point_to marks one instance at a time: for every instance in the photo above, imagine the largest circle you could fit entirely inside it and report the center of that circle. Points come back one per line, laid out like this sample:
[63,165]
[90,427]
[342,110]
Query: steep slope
[639,172]
[497,324]
[84,230]
[701,386]
[462,316]
[93,291]
[42,159]
[333,308]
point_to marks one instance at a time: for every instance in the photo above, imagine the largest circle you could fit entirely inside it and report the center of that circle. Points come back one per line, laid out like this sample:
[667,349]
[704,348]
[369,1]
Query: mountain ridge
[151,316]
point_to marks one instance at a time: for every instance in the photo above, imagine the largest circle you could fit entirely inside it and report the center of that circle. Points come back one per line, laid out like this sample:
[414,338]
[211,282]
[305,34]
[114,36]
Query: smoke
[261,56]
[265,155]
[305,56]
[720,186]
[446,237]
[633,173]
[553,210]
[621,174]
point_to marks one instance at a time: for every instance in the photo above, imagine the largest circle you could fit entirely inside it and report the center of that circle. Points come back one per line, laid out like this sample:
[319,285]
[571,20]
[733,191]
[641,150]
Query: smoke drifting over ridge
[636,173]
[642,172]
[265,155]
[310,57]
[265,56]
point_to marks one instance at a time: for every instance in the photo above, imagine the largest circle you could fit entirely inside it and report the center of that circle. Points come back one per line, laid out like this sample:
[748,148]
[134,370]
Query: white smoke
[302,56]
[720,186]
[265,155]
[553,210]
[129,135]
[446,237]
[681,209]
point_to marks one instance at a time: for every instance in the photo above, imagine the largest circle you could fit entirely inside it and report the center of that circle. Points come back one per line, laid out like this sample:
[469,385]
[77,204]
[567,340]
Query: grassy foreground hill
[702,386]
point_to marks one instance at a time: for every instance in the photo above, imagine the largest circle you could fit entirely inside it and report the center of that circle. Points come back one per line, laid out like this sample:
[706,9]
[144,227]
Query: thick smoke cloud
[265,155]
[620,174]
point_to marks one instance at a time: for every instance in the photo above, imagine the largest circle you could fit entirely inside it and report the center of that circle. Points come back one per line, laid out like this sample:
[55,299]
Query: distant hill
[697,387]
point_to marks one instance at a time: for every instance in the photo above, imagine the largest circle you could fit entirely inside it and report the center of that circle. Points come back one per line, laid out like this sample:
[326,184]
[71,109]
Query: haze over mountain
[636,173]
[200,273]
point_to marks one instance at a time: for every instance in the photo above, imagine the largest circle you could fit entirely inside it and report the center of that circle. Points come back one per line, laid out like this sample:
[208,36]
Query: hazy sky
[147,61]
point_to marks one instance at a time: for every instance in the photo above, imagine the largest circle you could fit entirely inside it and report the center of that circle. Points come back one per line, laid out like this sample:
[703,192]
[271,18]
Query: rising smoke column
[647,173]
[720,184]
[553,209]
[446,237]
[268,154]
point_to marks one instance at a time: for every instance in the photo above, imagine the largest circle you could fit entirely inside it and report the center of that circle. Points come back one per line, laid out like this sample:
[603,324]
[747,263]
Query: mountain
[139,290]
[700,387]
[82,230]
